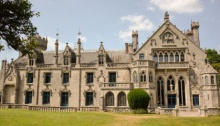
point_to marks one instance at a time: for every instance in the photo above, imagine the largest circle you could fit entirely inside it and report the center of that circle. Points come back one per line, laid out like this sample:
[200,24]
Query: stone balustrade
[118,65]
[89,109]
[44,65]
[87,65]
[143,63]
[54,109]
[175,65]
[116,85]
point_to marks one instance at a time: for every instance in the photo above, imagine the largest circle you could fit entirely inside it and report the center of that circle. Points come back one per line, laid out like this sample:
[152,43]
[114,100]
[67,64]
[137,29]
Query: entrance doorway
[171,100]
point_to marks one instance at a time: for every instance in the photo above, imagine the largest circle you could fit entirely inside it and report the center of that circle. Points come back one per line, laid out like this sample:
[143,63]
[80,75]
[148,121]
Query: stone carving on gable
[168,38]
[153,42]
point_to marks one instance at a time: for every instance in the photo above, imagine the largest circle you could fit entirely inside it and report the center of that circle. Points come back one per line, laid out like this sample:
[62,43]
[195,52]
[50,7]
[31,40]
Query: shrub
[138,100]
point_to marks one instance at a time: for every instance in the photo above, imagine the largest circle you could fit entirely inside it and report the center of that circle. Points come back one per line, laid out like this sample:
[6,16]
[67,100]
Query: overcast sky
[112,21]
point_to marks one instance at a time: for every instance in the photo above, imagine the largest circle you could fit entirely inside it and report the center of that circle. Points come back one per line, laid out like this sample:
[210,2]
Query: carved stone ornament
[10,78]
[47,90]
[65,90]
[168,38]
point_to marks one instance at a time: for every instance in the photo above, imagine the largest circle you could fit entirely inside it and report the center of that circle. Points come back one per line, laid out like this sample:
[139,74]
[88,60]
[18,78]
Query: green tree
[138,100]
[214,59]
[16,25]
[213,56]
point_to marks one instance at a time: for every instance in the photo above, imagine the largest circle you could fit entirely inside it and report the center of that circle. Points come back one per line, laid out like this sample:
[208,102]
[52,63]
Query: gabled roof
[208,69]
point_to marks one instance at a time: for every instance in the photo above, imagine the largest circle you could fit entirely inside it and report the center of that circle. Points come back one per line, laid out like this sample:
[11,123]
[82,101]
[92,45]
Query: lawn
[16,117]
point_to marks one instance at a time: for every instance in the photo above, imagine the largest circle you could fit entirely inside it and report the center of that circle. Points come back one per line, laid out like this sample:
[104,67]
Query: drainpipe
[80,74]
[38,80]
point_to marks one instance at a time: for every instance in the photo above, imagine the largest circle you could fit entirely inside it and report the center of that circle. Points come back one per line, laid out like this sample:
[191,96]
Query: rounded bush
[138,99]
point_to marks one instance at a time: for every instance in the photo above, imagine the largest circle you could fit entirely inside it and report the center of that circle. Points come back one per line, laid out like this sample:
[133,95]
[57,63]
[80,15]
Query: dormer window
[31,62]
[141,56]
[66,60]
[101,60]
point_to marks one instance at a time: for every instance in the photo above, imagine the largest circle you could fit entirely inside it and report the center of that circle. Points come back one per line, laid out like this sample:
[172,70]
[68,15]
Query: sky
[112,21]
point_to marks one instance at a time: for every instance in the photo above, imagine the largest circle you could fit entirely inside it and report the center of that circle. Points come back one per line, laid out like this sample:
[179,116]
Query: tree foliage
[138,99]
[214,59]
[213,56]
[16,25]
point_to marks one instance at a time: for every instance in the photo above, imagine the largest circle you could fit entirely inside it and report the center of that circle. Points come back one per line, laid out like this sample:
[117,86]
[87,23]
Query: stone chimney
[195,32]
[135,40]
[56,51]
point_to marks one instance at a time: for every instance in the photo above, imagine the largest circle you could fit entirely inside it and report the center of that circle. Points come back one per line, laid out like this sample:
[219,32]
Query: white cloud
[83,38]
[135,22]
[51,44]
[179,6]
[150,8]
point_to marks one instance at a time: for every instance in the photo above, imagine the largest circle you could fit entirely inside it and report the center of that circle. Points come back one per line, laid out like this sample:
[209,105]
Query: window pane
[171,57]
[89,98]
[89,77]
[160,57]
[182,57]
[30,78]
[141,56]
[155,58]
[46,97]
[64,98]
[47,77]
[177,57]
[112,77]
[65,78]
[28,97]
[195,100]
[166,57]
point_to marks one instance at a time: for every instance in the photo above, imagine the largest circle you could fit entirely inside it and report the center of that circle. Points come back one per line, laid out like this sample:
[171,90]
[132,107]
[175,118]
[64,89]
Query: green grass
[16,117]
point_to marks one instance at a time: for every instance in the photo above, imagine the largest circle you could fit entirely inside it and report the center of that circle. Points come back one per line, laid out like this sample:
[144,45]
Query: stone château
[170,66]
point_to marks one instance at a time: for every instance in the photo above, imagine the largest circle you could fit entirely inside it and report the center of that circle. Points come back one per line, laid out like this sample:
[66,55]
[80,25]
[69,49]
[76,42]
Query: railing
[143,63]
[87,65]
[21,66]
[165,65]
[44,65]
[114,85]
[54,109]
[89,109]
[16,106]
[118,65]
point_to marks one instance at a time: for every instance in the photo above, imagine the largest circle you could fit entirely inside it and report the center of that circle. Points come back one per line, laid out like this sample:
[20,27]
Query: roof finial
[166,16]
[57,35]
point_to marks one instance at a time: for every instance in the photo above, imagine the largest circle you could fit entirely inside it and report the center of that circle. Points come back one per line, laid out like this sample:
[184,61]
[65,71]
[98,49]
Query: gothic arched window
[171,57]
[177,57]
[181,87]
[212,79]
[166,57]
[121,99]
[206,80]
[155,57]
[161,57]
[109,99]
[143,77]
[160,91]
[182,57]
[66,60]
[170,84]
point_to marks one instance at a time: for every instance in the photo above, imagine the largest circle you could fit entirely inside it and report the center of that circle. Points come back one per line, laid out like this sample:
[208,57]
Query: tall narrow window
[112,77]
[64,99]
[141,56]
[31,62]
[181,86]
[66,60]
[101,60]
[89,78]
[212,80]
[135,77]
[47,79]
[46,98]
[171,57]
[155,57]
[177,57]
[121,99]
[166,57]
[170,84]
[143,77]
[206,80]
[109,99]
[161,57]
[182,57]
[195,100]
[160,91]
[65,78]
[150,77]
[30,78]
[89,98]
[28,97]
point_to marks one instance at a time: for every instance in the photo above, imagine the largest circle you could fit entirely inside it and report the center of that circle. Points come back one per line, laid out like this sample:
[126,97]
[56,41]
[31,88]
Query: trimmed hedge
[138,100]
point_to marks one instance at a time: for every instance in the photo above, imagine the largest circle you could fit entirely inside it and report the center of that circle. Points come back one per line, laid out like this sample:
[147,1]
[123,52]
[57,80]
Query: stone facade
[170,66]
